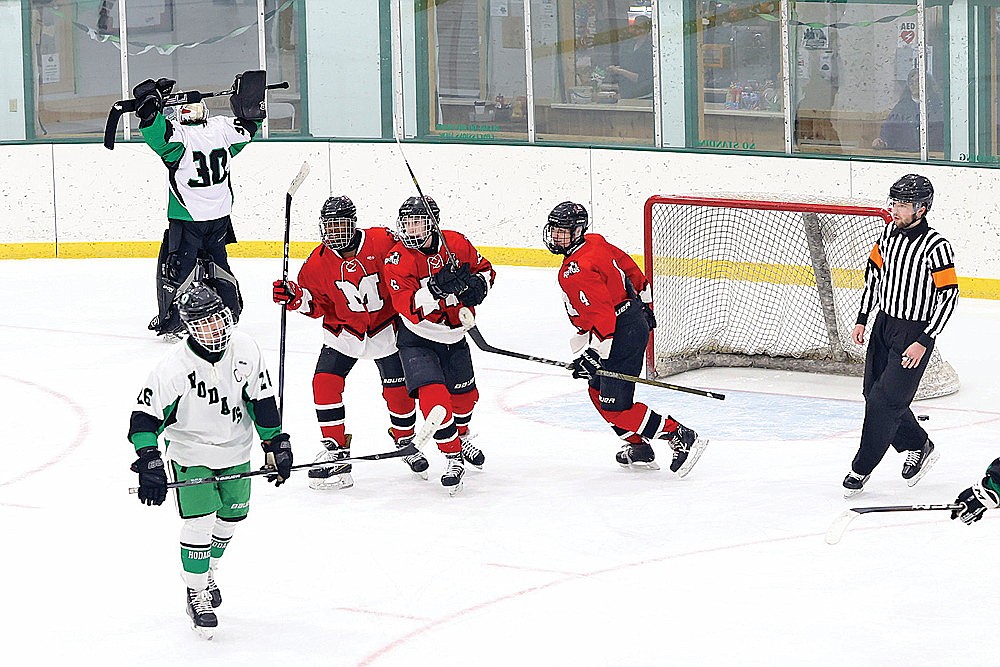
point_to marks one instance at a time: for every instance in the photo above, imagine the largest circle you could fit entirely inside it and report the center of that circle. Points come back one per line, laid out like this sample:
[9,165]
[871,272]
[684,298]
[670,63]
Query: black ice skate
[472,454]
[333,477]
[452,477]
[213,590]
[639,455]
[199,608]
[918,462]
[687,446]
[854,484]
[417,462]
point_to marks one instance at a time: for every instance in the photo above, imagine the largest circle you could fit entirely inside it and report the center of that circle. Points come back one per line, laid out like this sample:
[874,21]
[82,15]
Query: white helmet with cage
[193,113]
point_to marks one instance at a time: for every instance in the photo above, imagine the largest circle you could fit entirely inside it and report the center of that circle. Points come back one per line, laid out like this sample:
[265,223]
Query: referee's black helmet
[913,188]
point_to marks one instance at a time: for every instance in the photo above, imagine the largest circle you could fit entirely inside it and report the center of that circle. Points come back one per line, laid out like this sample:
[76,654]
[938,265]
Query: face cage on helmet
[213,331]
[411,240]
[197,113]
[337,233]
[576,233]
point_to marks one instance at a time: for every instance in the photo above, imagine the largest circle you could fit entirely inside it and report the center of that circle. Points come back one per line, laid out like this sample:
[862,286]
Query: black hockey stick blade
[118,109]
[840,524]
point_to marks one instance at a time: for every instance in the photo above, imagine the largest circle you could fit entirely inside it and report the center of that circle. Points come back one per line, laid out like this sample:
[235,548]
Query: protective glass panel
[476,75]
[739,96]
[73,50]
[592,71]
[856,80]
[201,44]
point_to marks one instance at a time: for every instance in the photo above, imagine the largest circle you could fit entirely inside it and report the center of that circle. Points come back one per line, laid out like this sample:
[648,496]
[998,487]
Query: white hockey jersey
[202,408]
[197,158]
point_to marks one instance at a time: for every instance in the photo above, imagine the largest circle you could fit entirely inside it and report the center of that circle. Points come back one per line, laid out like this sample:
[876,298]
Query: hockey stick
[427,430]
[296,182]
[437,224]
[121,107]
[841,523]
[468,320]
[267,470]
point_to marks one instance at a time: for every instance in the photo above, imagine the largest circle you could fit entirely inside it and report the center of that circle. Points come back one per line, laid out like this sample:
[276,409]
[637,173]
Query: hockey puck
[923,418]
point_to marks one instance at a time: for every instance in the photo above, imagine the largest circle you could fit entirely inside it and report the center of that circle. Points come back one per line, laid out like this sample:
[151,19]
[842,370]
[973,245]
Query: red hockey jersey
[593,279]
[351,297]
[407,271]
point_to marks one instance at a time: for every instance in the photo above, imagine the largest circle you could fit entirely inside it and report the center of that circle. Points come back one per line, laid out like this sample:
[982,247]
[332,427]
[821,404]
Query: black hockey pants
[888,390]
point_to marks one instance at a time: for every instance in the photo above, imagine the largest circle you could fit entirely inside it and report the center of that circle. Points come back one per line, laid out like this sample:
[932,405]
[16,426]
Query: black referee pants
[888,390]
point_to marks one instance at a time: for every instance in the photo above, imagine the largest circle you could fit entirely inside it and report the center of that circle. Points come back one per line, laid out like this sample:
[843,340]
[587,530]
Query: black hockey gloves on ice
[152,476]
[475,290]
[976,500]
[278,452]
[587,364]
[450,279]
[979,497]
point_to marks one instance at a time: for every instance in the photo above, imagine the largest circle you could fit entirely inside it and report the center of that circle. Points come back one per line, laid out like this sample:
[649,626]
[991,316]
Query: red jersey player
[608,300]
[341,283]
[428,289]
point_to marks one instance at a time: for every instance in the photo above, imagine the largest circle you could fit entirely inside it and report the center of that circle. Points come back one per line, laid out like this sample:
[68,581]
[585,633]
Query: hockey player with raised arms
[341,283]
[206,397]
[432,274]
[608,300]
[196,150]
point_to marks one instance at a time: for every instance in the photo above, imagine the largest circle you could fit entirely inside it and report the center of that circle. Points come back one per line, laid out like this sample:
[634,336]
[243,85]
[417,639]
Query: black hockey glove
[975,500]
[148,101]
[587,364]
[449,280]
[152,476]
[165,86]
[647,312]
[278,452]
[247,100]
[475,290]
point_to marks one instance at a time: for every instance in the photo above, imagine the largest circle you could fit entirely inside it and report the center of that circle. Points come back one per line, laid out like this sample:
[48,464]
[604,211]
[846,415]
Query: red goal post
[742,280]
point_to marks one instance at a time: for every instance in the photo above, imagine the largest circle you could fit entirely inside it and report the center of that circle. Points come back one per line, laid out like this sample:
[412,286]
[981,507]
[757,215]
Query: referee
[910,276]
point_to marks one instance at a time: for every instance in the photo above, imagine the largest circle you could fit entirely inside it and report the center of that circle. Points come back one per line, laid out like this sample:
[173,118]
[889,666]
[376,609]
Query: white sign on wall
[50,68]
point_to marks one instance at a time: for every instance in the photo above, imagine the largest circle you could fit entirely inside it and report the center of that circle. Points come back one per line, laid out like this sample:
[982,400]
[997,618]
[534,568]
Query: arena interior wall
[81,200]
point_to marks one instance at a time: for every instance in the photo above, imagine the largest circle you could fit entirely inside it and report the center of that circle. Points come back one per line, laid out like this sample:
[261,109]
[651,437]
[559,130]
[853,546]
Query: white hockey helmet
[193,113]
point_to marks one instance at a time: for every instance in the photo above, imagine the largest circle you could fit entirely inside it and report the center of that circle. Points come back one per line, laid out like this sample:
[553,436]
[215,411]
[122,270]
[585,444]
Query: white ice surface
[552,555]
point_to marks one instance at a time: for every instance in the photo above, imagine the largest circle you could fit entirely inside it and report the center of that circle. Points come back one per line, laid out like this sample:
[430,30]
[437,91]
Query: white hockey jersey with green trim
[197,159]
[212,423]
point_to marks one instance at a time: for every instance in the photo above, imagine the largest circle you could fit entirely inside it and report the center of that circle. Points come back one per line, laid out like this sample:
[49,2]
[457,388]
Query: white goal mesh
[771,284]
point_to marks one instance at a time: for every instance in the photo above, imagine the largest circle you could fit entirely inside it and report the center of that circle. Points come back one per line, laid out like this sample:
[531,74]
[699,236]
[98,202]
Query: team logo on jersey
[435,262]
[571,268]
[240,374]
[351,266]
[392,258]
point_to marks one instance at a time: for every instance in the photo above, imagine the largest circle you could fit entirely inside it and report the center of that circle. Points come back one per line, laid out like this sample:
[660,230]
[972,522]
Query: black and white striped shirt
[911,276]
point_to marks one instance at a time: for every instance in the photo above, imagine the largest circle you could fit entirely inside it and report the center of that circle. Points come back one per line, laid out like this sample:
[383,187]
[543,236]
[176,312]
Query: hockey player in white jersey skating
[196,150]
[206,397]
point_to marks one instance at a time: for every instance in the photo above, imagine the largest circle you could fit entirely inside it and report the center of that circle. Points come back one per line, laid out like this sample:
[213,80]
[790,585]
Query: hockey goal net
[738,281]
